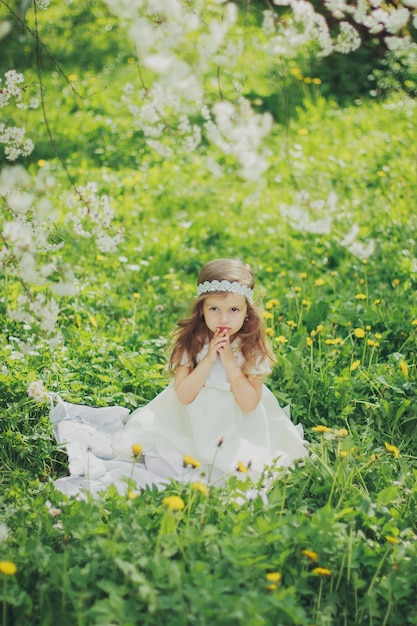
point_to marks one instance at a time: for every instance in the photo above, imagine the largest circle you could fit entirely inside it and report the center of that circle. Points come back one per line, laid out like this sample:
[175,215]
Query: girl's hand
[219,340]
[225,351]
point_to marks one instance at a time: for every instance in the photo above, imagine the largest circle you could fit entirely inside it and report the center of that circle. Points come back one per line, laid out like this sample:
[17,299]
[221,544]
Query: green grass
[128,560]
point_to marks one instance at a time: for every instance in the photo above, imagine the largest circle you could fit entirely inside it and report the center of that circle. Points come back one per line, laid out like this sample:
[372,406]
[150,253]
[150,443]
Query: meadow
[331,234]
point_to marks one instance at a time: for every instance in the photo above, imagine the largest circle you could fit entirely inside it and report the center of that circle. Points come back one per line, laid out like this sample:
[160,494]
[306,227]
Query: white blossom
[37,391]
[397,20]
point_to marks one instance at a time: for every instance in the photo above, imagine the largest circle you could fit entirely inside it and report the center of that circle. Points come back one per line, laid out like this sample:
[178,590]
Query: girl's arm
[188,383]
[247,392]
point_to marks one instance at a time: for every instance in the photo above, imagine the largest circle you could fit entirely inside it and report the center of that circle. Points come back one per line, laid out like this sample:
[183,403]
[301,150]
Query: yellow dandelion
[297,289]
[272,587]
[355,365]
[404,368]
[72,77]
[136,295]
[330,342]
[281,339]
[393,449]
[377,301]
[188,460]
[303,275]
[414,323]
[269,332]
[342,432]
[392,539]
[268,305]
[296,72]
[321,429]
[201,487]
[305,302]
[396,282]
[319,328]
[309,341]
[317,81]
[322,571]
[41,163]
[313,333]
[343,454]
[267,315]
[319,282]
[378,336]
[292,324]
[8,568]
[359,333]
[268,269]
[360,296]
[313,261]
[136,449]
[283,274]
[174,503]
[310,554]
[273,577]
[100,257]
[241,467]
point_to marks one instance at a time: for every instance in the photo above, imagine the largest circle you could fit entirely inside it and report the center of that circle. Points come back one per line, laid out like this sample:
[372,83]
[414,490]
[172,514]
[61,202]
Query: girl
[216,411]
[218,361]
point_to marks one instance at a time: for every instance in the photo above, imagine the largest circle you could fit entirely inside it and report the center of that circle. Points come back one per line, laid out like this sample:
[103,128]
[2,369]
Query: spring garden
[118,190]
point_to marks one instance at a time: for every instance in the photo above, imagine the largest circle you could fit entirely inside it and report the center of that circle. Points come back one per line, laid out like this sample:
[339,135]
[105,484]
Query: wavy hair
[192,333]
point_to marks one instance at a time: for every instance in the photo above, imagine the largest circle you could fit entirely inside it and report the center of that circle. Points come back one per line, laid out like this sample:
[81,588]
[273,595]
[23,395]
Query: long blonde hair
[192,333]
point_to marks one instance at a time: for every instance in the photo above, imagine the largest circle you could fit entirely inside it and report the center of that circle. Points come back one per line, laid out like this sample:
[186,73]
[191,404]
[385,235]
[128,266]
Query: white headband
[225,285]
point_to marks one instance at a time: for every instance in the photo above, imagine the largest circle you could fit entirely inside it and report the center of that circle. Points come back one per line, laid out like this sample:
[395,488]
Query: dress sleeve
[261,367]
[185,360]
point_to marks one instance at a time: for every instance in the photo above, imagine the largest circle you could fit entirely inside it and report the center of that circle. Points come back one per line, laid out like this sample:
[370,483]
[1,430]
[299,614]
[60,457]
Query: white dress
[99,441]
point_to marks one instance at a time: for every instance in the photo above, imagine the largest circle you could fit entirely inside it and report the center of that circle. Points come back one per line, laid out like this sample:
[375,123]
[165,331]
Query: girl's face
[225,312]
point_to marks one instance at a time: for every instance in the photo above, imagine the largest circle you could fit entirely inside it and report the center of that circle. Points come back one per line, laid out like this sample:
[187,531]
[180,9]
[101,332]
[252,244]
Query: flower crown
[225,285]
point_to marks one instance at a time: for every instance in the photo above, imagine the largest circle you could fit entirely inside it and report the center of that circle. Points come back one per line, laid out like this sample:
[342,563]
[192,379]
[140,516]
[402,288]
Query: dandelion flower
[321,429]
[281,339]
[201,487]
[8,568]
[322,571]
[342,432]
[271,587]
[360,296]
[309,341]
[188,460]
[414,323]
[359,333]
[319,328]
[393,449]
[241,467]
[404,368]
[319,282]
[355,365]
[343,454]
[273,577]
[310,554]
[303,275]
[136,449]
[174,503]
[392,539]
[269,332]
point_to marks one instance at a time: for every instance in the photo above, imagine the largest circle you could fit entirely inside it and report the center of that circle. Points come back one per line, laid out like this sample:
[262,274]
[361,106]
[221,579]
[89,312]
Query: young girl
[216,411]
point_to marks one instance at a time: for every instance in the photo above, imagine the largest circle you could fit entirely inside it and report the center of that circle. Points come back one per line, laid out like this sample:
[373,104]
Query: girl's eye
[213,308]
[234,309]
